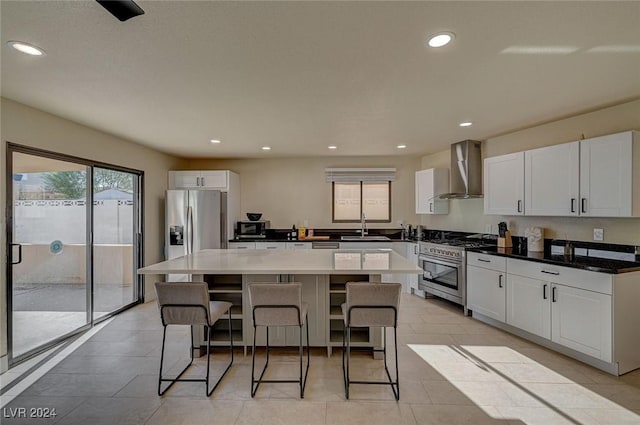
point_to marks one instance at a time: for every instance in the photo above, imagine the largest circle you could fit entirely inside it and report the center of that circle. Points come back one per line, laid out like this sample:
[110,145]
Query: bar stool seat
[278,304]
[187,303]
[371,305]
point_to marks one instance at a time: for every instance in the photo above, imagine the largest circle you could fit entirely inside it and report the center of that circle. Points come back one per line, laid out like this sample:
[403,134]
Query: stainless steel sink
[365,238]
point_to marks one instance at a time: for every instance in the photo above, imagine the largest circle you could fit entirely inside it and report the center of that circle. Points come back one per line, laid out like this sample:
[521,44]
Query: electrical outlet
[487,228]
[598,234]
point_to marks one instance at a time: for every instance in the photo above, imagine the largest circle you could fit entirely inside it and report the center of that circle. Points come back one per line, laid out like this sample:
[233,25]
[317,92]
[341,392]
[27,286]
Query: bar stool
[371,304]
[187,303]
[277,304]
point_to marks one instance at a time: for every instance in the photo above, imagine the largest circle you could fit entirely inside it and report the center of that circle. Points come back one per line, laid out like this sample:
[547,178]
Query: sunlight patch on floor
[527,390]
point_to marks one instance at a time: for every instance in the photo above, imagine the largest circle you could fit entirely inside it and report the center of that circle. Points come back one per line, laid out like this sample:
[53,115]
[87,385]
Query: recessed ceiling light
[266,148]
[466,124]
[215,141]
[27,48]
[332,147]
[440,39]
[401,146]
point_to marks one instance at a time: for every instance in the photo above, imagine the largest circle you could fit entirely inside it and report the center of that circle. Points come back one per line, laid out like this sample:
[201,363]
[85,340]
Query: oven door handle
[441,262]
[434,276]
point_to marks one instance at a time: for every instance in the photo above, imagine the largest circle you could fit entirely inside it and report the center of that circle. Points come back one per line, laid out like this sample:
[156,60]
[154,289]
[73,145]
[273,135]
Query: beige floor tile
[369,413]
[466,371]
[439,414]
[620,394]
[425,338]
[546,416]
[530,372]
[280,412]
[614,416]
[483,375]
[195,412]
[568,396]
[446,392]
[438,328]
[109,411]
[495,354]
[494,339]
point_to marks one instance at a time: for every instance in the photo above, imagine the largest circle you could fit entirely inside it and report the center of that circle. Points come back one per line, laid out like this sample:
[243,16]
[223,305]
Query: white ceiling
[299,76]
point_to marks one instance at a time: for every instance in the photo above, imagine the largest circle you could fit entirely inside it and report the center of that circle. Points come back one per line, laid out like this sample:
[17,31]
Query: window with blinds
[361,190]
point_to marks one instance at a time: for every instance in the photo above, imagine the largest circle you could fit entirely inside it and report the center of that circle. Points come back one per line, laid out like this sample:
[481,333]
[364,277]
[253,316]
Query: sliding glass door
[49,282]
[115,224]
[74,229]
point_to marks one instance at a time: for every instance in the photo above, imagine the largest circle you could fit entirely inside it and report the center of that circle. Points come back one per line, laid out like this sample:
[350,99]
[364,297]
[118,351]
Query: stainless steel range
[444,269]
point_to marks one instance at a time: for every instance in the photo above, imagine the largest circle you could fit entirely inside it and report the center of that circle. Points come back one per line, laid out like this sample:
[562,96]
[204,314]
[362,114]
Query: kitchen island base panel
[323,293]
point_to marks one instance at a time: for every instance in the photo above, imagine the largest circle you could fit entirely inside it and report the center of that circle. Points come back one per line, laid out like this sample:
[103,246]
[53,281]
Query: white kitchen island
[322,272]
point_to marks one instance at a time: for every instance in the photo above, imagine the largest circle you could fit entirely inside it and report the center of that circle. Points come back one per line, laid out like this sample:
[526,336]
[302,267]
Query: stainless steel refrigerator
[195,220]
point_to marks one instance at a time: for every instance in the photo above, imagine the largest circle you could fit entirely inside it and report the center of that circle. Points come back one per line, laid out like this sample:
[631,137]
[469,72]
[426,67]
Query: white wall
[468,215]
[27,126]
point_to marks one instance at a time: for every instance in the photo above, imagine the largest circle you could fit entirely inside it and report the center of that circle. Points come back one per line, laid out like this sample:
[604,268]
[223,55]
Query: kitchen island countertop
[283,261]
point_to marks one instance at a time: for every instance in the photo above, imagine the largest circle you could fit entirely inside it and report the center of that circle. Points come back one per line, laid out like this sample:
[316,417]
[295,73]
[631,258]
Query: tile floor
[453,370]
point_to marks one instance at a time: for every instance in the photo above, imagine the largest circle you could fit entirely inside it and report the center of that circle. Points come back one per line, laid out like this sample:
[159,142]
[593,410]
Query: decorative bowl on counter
[254,216]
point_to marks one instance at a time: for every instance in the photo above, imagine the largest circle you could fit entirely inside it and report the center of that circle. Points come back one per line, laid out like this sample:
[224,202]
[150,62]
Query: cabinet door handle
[499,281]
[272,247]
[548,272]
[519,205]
[583,205]
[554,294]
[573,204]
[430,206]
[483,260]
[544,291]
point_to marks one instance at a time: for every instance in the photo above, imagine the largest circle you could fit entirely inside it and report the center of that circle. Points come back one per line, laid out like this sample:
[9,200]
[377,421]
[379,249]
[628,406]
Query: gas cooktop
[458,242]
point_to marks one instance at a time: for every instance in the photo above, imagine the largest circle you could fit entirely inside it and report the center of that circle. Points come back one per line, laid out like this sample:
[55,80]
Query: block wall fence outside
[113,264]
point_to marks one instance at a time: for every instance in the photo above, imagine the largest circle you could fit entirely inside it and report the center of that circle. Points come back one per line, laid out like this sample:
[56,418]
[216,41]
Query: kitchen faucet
[363,225]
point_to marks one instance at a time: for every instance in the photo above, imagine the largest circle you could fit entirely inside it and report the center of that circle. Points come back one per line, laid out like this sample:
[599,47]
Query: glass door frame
[138,259]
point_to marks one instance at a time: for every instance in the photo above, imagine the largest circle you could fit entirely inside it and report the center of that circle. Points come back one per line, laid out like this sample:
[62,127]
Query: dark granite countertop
[594,264]
[335,235]
[331,239]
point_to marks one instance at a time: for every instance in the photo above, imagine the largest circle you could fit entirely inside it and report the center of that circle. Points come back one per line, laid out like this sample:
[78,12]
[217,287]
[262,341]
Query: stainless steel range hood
[466,171]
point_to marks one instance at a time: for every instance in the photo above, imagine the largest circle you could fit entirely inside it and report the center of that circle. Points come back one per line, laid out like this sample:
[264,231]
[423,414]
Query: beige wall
[467,215]
[31,127]
[290,191]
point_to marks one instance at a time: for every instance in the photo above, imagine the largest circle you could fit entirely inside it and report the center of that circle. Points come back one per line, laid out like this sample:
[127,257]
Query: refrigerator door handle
[190,230]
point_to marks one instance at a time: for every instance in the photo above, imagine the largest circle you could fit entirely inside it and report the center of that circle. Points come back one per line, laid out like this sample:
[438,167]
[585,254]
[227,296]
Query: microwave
[252,229]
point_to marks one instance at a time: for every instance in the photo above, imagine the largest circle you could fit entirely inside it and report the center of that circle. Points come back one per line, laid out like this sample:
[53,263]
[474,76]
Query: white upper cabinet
[592,178]
[606,175]
[213,180]
[504,184]
[430,184]
[551,176]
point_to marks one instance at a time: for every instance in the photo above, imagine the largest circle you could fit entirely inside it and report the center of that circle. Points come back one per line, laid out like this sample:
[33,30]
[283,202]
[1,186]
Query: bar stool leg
[258,381]
[177,378]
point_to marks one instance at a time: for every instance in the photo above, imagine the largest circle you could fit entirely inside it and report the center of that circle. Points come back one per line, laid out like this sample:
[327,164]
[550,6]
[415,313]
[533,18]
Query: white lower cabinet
[581,320]
[486,285]
[570,307]
[528,306]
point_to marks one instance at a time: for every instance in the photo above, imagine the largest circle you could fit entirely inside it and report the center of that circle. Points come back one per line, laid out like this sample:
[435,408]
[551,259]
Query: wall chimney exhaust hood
[466,171]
